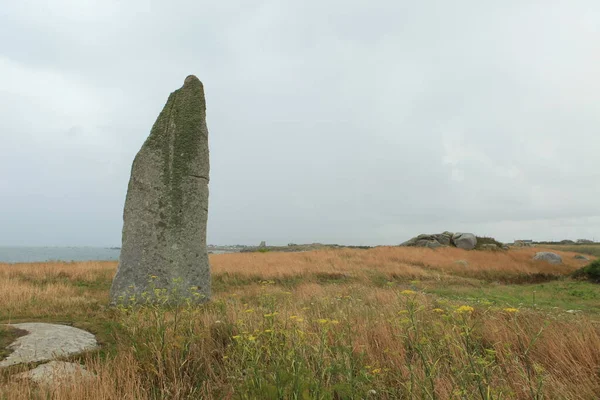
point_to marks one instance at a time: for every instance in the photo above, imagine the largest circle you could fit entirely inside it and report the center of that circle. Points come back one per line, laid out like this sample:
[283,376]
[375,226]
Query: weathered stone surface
[423,240]
[466,241]
[166,209]
[432,244]
[46,342]
[57,372]
[443,238]
[550,257]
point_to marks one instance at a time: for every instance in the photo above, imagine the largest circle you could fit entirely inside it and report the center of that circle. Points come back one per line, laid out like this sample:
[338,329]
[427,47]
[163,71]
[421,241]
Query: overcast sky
[353,122]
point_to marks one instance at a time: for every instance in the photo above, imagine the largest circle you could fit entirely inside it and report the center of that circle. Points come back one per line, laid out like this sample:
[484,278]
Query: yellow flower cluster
[324,321]
[408,292]
[511,310]
[270,315]
[465,309]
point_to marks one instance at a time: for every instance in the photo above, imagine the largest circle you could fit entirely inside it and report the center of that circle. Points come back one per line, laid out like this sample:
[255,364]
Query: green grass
[7,336]
[590,249]
[563,294]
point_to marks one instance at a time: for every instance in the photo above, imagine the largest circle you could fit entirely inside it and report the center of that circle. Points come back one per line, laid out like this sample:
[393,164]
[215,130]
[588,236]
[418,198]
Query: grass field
[591,249]
[384,323]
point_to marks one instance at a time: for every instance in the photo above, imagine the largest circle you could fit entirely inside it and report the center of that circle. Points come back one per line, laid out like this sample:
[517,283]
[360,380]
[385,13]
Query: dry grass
[398,260]
[326,324]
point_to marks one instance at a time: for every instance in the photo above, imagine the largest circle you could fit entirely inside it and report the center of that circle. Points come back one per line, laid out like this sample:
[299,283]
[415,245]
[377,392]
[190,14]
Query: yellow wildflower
[511,310]
[335,321]
[465,309]
[376,371]
[408,292]
[438,310]
[249,310]
[322,321]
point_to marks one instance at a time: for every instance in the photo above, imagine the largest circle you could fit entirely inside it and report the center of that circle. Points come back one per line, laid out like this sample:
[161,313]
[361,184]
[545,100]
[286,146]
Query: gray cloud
[329,121]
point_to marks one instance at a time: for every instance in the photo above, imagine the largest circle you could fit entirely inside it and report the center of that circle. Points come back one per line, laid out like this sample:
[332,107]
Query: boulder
[166,208]
[57,372]
[425,240]
[466,241]
[432,244]
[443,238]
[547,256]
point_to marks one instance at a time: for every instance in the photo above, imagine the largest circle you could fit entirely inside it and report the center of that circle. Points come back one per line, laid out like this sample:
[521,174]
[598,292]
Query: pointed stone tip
[190,79]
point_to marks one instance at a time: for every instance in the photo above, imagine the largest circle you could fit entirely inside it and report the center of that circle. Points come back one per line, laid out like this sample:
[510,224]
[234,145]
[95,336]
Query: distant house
[524,243]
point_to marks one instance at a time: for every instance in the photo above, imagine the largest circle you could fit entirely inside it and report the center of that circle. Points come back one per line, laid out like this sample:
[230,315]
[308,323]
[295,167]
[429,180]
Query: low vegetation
[7,336]
[590,272]
[591,249]
[383,323]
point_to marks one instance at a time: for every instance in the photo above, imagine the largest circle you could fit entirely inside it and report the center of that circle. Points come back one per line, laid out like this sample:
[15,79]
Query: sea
[22,254]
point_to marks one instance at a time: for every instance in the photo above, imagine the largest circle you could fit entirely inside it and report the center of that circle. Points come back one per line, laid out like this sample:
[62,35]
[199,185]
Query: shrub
[481,240]
[590,272]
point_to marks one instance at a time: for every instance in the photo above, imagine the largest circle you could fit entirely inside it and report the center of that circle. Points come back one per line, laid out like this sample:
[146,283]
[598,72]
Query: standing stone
[166,209]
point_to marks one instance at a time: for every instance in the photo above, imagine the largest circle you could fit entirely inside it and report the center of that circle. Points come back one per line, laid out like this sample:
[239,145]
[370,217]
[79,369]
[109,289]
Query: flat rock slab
[57,372]
[46,342]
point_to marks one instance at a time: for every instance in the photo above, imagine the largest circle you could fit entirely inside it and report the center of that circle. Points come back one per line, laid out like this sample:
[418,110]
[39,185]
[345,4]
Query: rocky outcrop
[466,241]
[166,209]
[431,241]
[547,256]
[47,341]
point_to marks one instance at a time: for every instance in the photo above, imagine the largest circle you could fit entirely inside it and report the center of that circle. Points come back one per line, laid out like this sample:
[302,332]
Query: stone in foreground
[550,257]
[46,342]
[163,253]
[57,372]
